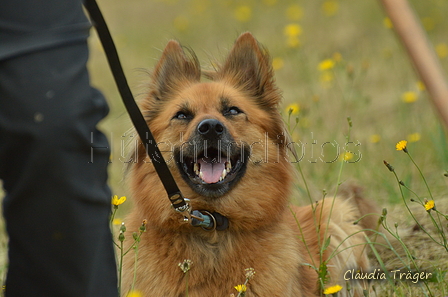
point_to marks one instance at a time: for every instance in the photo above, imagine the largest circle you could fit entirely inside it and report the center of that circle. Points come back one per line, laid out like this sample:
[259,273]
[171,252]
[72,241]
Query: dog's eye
[182,115]
[233,111]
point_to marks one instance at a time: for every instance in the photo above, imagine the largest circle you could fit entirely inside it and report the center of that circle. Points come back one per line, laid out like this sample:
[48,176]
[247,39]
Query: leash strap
[174,194]
[208,221]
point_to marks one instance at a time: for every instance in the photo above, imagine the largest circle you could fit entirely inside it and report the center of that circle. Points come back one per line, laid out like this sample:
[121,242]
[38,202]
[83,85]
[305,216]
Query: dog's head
[225,134]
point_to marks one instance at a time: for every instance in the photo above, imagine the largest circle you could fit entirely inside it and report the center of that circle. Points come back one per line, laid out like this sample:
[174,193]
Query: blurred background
[333,59]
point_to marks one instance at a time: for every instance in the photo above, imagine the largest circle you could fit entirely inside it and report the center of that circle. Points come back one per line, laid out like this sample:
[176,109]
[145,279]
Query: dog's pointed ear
[248,66]
[174,68]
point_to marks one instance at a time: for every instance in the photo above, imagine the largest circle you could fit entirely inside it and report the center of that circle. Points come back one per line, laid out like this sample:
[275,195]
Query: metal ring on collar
[213,228]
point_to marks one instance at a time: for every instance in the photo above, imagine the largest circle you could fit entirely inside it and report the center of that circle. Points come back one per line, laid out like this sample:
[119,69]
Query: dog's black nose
[210,128]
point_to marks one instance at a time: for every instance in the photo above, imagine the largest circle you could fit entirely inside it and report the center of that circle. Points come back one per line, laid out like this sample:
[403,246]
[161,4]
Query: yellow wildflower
[117,201]
[293,41]
[241,288]
[181,23]
[332,289]
[326,79]
[337,57]
[346,156]
[294,12]
[414,137]
[134,294]
[277,63]
[401,145]
[409,97]
[243,13]
[428,23]
[429,205]
[292,30]
[421,86]
[365,64]
[388,23]
[326,64]
[116,221]
[330,7]
[442,50]
[293,108]
[375,138]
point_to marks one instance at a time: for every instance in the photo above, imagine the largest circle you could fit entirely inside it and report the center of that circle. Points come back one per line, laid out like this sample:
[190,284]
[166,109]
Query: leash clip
[204,219]
[185,211]
[180,205]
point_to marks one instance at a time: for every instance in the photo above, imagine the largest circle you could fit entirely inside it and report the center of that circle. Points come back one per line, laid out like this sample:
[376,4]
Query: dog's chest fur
[218,263]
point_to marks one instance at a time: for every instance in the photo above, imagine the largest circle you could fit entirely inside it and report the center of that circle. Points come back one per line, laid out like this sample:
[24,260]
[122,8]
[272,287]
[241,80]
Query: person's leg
[57,202]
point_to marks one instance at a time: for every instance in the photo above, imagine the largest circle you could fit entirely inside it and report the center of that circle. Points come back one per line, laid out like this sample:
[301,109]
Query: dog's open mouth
[212,173]
[215,168]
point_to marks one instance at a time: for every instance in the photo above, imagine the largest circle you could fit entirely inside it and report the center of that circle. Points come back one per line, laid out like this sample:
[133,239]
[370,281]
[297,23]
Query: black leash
[174,194]
[206,220]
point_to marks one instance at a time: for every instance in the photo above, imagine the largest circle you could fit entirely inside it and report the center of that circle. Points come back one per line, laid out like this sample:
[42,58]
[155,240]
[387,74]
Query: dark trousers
[53,160]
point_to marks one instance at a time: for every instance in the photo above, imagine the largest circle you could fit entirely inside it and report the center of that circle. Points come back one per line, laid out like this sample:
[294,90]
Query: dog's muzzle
[212,162]
[210,129]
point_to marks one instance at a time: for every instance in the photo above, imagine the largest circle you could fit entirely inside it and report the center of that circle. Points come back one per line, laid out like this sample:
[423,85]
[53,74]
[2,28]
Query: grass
[371,74]
[366,76]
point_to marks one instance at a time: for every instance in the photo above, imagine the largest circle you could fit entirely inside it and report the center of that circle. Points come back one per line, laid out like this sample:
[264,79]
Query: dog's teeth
[228,166]
[196,168]
[223,174]
[200,174]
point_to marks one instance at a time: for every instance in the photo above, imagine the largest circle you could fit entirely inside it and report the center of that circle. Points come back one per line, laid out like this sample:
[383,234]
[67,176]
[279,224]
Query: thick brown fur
[265,233]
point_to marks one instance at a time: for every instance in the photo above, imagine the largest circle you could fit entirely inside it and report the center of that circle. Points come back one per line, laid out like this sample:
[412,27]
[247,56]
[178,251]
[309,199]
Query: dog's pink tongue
[211,170]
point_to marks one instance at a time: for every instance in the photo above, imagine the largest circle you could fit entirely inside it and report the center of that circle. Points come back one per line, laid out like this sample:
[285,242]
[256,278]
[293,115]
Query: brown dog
[225,145]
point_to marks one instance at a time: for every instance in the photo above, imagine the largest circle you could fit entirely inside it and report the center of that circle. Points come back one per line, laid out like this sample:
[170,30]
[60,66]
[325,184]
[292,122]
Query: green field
[333,59]
[370,80]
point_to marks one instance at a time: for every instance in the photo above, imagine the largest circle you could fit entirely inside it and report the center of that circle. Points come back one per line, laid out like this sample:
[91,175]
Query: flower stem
[350,125]
[186,283]
[120,268]
[421,174]
[135,266]
[112,217]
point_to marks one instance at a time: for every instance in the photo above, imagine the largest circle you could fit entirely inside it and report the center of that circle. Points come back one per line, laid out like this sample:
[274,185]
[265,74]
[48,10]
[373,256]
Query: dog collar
[209,221]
